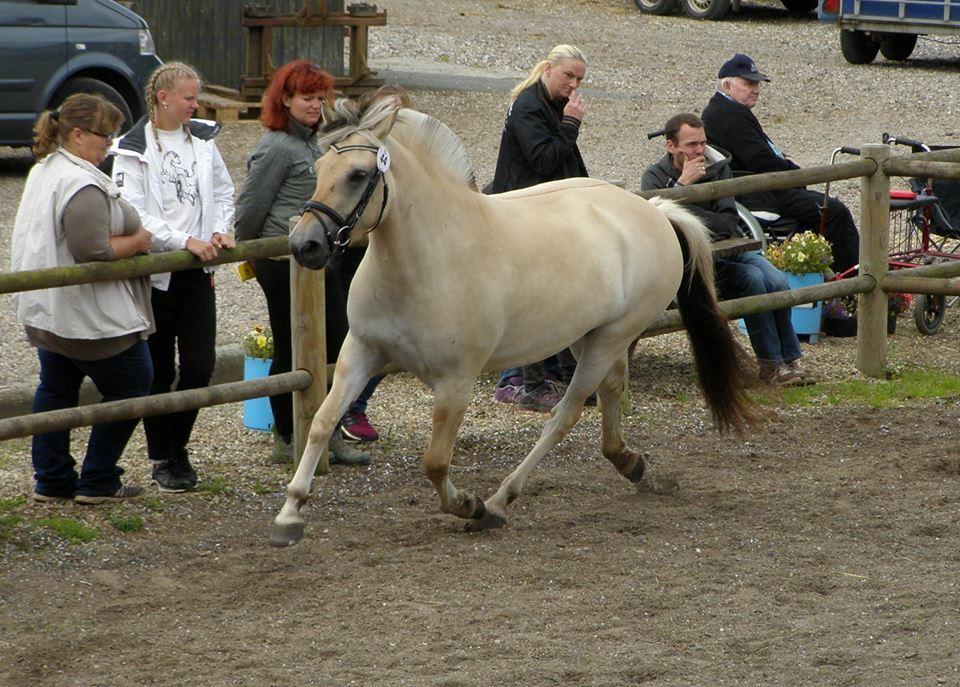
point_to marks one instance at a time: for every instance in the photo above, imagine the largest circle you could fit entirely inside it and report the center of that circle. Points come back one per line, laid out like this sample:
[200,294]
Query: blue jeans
[771,333]
[125,375]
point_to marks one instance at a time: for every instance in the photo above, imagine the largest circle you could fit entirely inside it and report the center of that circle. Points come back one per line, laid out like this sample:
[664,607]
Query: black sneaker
[169,479]
[181,465]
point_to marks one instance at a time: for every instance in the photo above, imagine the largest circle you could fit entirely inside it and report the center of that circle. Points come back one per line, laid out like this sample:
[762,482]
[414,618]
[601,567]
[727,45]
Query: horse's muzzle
[308,243]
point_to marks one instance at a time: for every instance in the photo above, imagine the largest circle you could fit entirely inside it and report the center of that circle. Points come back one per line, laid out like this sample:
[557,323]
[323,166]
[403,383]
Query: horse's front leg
[356,364]
[450,403]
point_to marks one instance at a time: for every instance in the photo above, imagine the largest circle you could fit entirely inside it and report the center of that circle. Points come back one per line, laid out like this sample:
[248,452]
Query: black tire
[800,6]
[656,6]
[705,9]
[898,46]
[928,312]
[857,47]
[85,84]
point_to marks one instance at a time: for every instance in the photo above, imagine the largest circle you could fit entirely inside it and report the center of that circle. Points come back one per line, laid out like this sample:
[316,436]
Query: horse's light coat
[455,282]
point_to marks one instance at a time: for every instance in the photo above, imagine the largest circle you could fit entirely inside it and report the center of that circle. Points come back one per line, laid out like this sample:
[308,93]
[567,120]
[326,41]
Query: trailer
[888,27]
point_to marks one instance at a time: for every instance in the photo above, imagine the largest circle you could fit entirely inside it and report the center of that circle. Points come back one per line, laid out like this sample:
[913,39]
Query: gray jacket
[280,178]
[719,215]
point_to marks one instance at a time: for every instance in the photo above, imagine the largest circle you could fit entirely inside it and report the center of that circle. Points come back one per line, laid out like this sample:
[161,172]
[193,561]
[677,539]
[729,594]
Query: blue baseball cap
[742,66]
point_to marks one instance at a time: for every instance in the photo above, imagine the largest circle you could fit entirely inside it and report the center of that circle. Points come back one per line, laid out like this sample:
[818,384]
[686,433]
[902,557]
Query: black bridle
[347,224]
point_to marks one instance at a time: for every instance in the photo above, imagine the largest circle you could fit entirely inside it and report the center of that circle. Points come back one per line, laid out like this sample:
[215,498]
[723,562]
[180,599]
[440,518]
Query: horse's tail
[721,360]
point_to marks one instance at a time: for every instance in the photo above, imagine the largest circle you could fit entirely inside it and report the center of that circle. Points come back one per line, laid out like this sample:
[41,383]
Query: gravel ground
[749,525]
[649,69]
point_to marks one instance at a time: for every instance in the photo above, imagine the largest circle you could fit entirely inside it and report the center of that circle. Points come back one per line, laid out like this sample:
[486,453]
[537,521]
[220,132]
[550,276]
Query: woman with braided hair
[169,169]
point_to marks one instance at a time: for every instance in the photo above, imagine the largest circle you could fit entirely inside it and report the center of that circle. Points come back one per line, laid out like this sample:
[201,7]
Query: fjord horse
[454,283]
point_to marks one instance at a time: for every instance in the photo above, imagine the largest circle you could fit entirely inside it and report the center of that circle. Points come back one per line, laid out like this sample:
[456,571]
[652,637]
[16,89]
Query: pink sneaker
[542,399]
[356,427]
[511,392]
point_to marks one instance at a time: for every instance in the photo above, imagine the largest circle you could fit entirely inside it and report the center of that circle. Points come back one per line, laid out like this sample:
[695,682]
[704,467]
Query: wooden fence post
[874,239]
[309,341]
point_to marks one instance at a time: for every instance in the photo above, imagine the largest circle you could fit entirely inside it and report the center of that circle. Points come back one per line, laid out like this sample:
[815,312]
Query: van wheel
[656,6]
[705,9]
[84,84]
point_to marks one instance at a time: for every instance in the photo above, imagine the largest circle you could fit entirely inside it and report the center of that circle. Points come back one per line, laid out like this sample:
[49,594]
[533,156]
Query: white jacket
[136,171]
[85,311]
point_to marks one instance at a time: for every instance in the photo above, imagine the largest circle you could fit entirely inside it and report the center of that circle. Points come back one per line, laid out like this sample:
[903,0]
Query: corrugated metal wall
[209,35]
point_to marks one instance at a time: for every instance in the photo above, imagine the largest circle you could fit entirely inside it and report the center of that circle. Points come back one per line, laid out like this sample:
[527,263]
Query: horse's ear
[327,113]
[382,130]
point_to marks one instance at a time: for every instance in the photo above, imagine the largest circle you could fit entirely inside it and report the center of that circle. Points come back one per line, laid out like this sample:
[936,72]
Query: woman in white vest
[71,213]
[170,170]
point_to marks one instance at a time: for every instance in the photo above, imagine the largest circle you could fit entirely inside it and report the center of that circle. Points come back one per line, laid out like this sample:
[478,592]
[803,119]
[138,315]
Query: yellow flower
[261,341]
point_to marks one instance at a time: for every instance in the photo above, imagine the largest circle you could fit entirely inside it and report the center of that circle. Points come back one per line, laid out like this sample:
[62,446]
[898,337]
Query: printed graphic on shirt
[183,180]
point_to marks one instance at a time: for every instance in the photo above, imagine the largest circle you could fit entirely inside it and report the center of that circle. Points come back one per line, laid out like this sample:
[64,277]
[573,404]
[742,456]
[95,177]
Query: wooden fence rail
[308,380]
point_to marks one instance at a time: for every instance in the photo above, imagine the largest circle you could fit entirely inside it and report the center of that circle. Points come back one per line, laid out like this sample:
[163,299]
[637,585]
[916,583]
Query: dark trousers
[771,333]
[803,206]
[560,365]
[186,318]
[274,278]
[125,375]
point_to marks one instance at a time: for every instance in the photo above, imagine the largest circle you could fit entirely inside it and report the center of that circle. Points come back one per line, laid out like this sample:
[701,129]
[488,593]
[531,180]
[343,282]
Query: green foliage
[803,253]
[124,522]
[154,503]
[910,384]
[261,489]
[11,504]
[73,531]
[214,485]
[7,524]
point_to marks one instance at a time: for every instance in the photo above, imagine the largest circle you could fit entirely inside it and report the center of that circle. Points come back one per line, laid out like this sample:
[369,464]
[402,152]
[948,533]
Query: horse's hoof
[286,535]
[489,521]
[635,472]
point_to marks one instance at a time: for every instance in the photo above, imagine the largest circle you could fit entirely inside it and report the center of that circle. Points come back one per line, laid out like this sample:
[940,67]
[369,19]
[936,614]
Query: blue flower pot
[256,411]
[806,317]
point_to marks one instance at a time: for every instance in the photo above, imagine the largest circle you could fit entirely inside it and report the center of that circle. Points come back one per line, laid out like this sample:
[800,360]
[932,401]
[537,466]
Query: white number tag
[383,159]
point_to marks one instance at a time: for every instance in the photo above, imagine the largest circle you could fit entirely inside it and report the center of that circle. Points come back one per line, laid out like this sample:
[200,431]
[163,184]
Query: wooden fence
[308,380]
[209,35]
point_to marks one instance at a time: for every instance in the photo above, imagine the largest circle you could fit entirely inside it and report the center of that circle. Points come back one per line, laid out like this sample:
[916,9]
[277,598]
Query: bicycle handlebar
[915,146]
[654,134]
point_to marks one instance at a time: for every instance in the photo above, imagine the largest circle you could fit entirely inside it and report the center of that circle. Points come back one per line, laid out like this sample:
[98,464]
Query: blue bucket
[806,317]
[256,411]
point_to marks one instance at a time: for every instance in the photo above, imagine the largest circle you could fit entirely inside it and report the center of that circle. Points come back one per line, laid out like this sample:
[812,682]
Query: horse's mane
[433,136]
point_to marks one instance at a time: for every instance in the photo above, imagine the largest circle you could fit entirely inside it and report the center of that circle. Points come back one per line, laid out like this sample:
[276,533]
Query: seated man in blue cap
[731,124]
[689,160]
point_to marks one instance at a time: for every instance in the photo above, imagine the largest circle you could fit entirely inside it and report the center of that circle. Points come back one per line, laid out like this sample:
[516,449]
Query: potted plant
[840,314]
[257,358]
[803,257]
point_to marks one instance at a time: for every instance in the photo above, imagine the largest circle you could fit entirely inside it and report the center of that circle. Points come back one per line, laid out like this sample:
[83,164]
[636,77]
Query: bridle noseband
[347,224]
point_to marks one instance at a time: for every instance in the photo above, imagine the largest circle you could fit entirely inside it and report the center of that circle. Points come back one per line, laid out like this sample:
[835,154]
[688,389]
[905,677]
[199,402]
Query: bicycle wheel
[928,312]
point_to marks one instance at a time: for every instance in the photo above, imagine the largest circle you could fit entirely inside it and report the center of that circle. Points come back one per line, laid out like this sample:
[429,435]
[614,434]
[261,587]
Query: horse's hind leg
[590,370]
[450,403]
[628,462]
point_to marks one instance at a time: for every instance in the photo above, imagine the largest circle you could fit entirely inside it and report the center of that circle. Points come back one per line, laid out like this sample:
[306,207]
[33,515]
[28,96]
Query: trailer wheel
[705,9]
[898,46]
[857,47]
[928,312]
[800,6]
[656,6]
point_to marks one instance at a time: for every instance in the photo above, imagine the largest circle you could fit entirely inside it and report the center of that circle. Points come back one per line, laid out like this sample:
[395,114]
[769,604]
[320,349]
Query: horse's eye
[358,175]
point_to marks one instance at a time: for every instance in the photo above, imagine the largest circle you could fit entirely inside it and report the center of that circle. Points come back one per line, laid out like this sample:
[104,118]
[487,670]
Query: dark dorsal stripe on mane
[412,127]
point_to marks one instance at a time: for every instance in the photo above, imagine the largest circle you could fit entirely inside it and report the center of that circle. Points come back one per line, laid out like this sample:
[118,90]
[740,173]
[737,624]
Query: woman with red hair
[280,178]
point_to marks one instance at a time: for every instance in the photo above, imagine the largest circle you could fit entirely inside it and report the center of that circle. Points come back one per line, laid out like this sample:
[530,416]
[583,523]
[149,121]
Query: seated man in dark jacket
[731,124]
[689,161]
